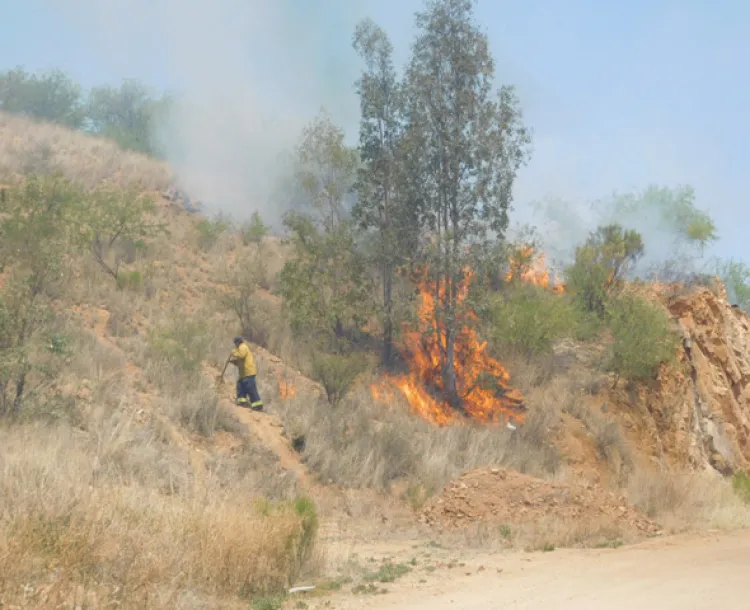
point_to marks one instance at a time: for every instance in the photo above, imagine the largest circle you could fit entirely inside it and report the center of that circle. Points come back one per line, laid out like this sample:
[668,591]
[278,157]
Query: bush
[337,373]
[209,231]
[643,339]
[601,265]
[741,485]
[180,345]
[530,319]
[254,231]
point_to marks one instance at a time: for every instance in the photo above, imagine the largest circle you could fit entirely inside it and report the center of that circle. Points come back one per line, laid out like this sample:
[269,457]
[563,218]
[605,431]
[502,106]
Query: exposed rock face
[697,416]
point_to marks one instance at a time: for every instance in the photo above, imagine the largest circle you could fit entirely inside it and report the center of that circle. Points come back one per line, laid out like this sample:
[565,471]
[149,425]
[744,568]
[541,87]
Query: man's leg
[242,392]
[252,389]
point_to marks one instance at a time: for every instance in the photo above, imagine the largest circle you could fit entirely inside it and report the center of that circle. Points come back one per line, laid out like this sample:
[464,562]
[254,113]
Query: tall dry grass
[687,501]
[366,443]
[85,519]
[28,146]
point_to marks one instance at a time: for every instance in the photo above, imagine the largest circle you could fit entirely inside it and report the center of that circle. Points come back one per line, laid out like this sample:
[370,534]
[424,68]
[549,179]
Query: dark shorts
[247,388]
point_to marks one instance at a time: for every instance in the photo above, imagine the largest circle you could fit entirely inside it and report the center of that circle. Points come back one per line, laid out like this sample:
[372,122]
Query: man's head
[237,341]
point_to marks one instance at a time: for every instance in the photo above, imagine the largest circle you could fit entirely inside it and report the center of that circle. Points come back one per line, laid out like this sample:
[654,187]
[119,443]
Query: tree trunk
[388,318]
[450,384]
[18,400]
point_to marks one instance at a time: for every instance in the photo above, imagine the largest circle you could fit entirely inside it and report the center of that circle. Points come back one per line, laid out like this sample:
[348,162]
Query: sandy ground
[692,572]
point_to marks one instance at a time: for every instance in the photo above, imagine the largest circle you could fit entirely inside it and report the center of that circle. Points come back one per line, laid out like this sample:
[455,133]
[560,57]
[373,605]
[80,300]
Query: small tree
[128,114]
[113,219]
[326,170]
[337,373]
[601,264]
[243,300]
[380,203]
[642,337]
[51,96]
[325,286]
[36,239]
[255,231]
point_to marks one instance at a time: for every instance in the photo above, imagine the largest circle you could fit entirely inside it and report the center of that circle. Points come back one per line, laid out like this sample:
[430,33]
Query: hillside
[130,477]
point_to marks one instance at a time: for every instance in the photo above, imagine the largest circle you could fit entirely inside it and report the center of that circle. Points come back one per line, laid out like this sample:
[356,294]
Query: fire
[286,388]
[532,270]
[481,380]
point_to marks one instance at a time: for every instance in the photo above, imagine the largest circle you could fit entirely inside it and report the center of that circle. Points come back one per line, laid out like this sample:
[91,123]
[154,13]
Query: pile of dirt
[496,495]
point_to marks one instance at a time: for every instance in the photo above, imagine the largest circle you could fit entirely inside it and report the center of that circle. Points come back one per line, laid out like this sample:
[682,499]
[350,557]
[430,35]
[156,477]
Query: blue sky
[619,95]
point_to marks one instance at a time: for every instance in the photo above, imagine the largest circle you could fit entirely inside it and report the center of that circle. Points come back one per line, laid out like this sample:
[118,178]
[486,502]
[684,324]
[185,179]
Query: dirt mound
[509,498]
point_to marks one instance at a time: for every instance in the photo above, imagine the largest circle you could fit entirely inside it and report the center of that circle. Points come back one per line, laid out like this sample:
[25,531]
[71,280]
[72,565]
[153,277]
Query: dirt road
[697,572]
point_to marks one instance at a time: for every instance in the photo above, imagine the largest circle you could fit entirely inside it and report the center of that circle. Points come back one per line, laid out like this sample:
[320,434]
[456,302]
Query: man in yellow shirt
[247,388]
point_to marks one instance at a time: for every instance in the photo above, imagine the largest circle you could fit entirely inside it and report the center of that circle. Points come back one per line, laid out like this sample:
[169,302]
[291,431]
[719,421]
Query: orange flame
[482,381]
[531,270]
[286,388]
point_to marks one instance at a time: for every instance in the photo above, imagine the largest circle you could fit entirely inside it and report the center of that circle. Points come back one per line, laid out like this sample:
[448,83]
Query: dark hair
[238,340]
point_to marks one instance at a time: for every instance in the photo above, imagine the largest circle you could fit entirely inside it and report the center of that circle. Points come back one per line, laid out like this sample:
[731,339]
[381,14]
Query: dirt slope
[681,573]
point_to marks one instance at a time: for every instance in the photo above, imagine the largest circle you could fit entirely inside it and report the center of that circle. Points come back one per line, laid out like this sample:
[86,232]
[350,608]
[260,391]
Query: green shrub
[209,231]
[601,265]
[530,319]
[180,345]
[337,373]
[642,337]
[130,280]
[741,485]
[254,231]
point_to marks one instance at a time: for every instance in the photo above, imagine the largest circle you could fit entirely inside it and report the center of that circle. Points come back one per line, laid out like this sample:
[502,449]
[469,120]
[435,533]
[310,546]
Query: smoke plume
[249,75]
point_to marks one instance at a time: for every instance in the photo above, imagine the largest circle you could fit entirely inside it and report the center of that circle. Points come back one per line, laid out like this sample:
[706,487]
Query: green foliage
[113,223]
[309,525]
[337,373]
[210,230]
[388,572]
[180,345]
[530,319]
[736,278]
[254,231]
[255,318]
[127,114]
[325,287]
[130,280]
[741,485]
[380,205]
[268,603]
[326,168]
[51,96]
[36,241]
[462,147]
[601,265]
[670,210]
[643,339]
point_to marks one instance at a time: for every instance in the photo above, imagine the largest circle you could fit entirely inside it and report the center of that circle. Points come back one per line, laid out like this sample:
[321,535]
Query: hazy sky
[619,94]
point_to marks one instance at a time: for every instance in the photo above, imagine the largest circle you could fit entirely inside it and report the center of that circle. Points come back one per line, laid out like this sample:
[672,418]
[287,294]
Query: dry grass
[610,443]
[120,519]
[29,146]
[687,501]
[365,443]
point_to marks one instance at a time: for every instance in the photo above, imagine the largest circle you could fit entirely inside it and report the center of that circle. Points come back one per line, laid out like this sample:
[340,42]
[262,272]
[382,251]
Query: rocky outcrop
[697,414]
